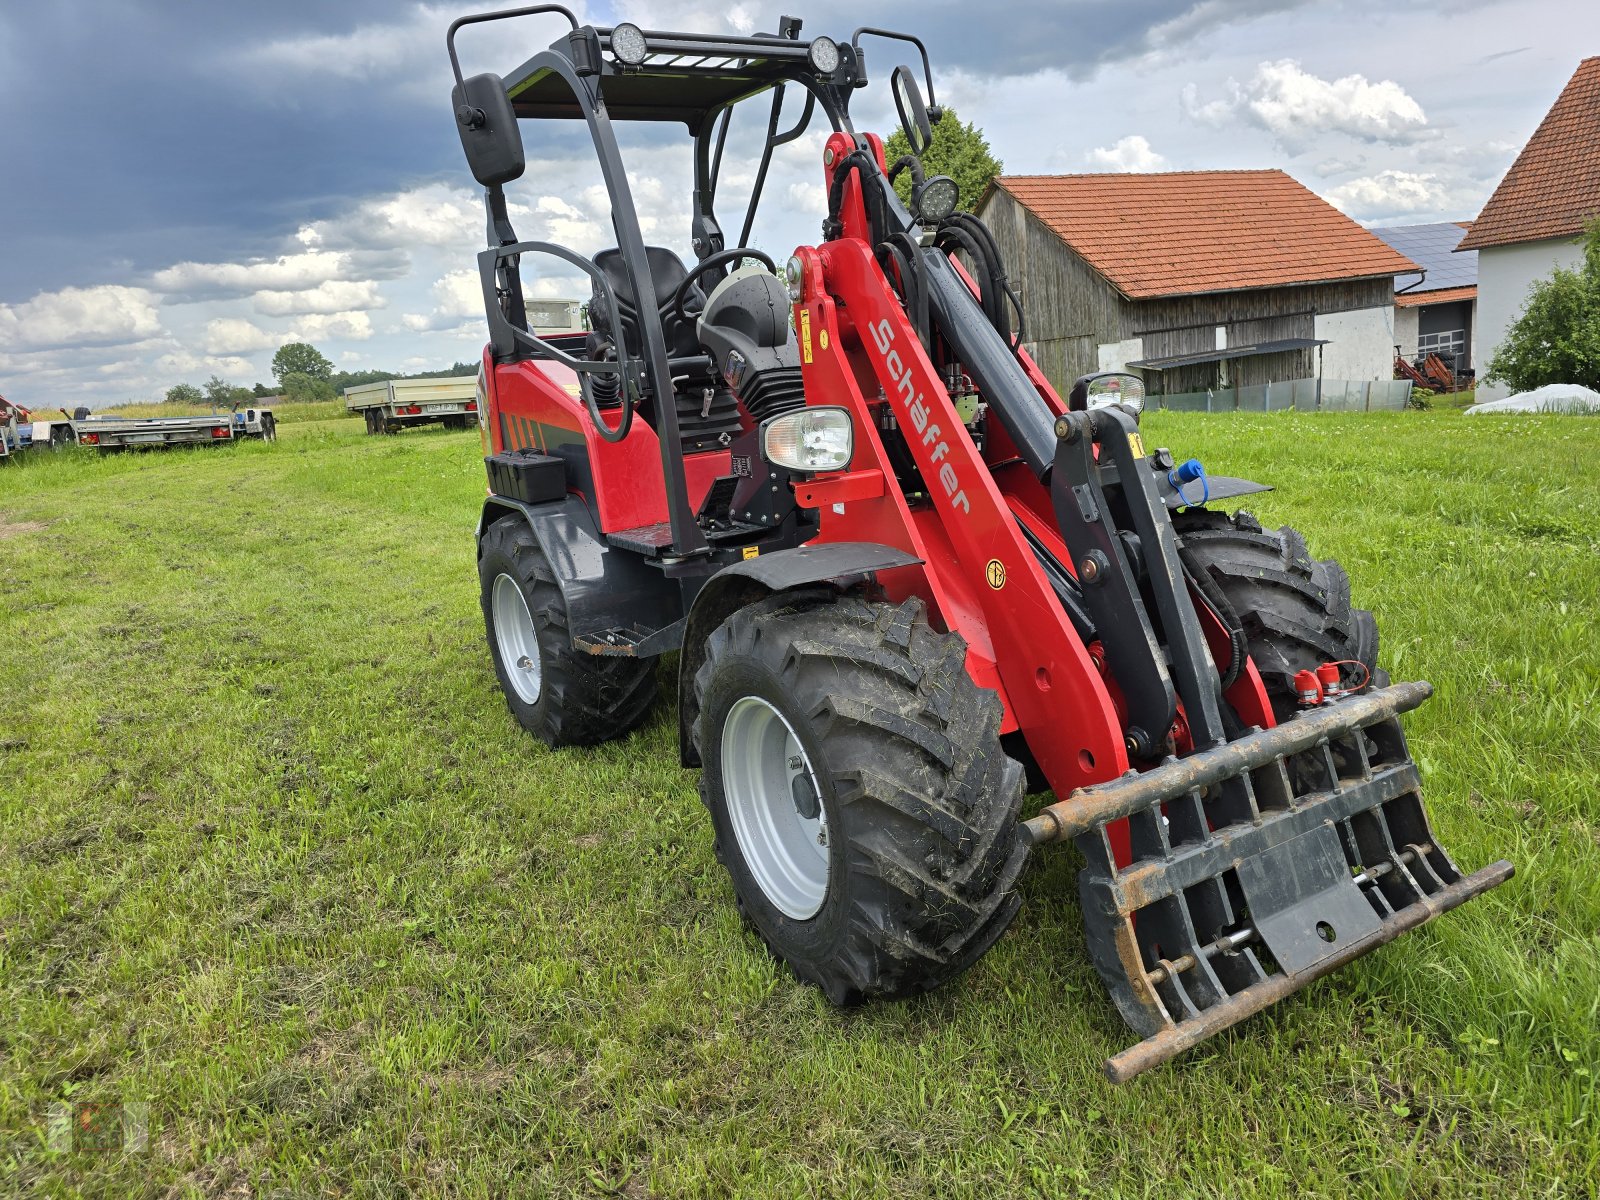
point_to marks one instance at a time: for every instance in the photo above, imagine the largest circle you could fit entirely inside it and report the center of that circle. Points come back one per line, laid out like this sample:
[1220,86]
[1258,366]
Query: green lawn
[275,860]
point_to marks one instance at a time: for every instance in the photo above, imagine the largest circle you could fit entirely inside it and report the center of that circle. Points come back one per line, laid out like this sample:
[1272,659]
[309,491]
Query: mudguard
[616,603]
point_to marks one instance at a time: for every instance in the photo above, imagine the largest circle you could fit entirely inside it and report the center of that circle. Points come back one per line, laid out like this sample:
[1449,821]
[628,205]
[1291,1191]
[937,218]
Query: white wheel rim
[764,768]
[516,639]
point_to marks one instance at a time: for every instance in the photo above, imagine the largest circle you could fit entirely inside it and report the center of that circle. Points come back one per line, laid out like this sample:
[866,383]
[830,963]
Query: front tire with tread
[1295,609]
[921,803]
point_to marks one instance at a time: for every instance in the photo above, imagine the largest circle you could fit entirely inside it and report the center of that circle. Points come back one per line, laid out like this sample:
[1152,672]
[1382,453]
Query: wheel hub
[775,807]
[516,639]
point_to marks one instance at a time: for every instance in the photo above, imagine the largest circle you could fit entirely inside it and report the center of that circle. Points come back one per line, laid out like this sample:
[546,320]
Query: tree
[300,388]
[958,150]
[184,393]
[302,358]
[219,392]
[1557,337]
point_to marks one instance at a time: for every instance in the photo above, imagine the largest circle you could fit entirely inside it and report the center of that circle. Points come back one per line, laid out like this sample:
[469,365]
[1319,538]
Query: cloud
[1300,109]
[1132,153]
[288,272]
[1390,194]
[352,326]
[331,296]
[106,314]
[234,335]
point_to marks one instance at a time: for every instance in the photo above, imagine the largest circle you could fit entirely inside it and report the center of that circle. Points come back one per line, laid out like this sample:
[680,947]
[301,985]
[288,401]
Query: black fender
[605,589]
[841,564]
[1218,487]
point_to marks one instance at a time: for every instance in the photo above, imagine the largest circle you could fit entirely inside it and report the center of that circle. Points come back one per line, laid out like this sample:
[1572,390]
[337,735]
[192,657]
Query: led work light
[809,439]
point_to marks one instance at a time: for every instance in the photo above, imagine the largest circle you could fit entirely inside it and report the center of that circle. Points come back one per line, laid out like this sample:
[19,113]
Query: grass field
[275,860]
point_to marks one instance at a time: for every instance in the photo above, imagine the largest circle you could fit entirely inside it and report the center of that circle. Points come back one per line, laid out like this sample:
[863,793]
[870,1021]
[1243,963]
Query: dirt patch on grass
[11,529]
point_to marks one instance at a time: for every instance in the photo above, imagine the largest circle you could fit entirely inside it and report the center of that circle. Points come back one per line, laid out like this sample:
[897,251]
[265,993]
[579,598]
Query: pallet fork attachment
[1212,922]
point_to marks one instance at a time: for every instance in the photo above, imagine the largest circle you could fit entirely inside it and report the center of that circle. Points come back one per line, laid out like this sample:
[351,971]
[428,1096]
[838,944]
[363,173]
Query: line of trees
[304,375]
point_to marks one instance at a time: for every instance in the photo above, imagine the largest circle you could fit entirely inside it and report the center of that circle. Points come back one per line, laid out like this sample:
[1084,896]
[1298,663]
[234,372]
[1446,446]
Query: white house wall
[1360,343]
[1505,273]
[1405,331]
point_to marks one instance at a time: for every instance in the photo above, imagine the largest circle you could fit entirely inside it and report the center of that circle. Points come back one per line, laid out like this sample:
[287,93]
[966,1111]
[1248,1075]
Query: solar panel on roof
[1434,247]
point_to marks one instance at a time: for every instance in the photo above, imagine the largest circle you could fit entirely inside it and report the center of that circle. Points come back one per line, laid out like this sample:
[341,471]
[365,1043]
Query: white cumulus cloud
[1390,194]
[331,296]
[106,314]
[1132,153]
[287,272]
[1299,108]
[353,326]
[235,335]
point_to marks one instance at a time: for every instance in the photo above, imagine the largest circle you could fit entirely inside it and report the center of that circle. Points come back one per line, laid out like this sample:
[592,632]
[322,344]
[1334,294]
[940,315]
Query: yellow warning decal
[822,338]
[1137,443]
[751,551]
[995,573]
[805,335]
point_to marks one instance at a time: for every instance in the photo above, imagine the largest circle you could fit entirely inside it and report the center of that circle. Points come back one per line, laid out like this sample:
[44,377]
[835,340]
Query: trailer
[128,433]
[391,405]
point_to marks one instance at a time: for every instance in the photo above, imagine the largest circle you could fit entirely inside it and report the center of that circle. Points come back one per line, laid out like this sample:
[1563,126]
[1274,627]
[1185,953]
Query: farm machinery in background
[910,583]
[27,430]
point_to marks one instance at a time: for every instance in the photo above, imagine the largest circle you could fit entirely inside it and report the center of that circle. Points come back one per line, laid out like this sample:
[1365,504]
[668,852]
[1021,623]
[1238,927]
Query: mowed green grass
[275,860]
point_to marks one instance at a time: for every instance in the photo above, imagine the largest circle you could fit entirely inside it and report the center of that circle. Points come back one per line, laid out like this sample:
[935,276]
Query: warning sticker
[805,335]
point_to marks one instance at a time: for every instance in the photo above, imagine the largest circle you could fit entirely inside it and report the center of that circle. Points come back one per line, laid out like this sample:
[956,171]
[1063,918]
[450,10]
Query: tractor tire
[859,796]
[1295,609]
[557,693]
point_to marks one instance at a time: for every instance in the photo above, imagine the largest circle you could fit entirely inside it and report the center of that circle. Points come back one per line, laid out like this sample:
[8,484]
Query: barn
[1242,288]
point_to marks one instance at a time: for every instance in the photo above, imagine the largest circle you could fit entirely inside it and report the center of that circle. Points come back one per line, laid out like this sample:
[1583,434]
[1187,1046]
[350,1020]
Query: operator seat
[666,272]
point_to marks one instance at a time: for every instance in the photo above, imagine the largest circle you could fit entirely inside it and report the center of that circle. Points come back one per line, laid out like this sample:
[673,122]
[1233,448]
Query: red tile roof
[1441,296]
[1553,188]
[1186,232]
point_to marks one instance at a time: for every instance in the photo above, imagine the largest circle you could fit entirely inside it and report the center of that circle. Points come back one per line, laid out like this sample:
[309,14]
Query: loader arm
[1236,862]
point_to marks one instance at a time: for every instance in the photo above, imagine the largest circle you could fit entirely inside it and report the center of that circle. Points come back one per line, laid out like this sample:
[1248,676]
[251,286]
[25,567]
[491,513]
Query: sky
[185,186]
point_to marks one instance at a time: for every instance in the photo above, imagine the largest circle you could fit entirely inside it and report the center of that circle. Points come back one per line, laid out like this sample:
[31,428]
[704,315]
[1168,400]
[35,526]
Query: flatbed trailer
[391,405]
[128,433]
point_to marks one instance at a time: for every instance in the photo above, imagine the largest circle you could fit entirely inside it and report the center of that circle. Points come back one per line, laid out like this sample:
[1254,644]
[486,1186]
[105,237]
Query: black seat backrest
[666,273]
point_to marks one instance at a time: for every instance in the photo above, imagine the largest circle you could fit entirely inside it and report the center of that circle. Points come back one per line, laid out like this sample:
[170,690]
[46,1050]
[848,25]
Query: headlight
[934,199]
[795,274]
[628,44]
[824,55]
[809,439]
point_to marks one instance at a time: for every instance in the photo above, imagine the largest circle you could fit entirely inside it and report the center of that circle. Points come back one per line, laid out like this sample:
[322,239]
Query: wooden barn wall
[1172,325]
[1070,308]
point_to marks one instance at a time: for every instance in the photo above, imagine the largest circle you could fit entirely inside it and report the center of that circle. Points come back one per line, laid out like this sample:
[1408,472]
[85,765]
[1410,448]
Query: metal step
[1257,867]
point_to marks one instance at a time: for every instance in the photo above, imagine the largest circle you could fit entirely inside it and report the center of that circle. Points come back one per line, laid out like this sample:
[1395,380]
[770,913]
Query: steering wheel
[673,304]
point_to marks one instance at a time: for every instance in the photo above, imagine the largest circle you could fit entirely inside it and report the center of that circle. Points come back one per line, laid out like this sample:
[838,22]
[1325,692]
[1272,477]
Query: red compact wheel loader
[909,583]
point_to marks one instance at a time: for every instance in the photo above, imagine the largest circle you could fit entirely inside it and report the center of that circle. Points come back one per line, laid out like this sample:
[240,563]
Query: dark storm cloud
[133,140]
[1076,36]
[142,133]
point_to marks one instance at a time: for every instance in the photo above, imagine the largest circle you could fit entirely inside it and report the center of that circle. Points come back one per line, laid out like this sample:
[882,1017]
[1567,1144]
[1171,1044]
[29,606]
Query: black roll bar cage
[580,60]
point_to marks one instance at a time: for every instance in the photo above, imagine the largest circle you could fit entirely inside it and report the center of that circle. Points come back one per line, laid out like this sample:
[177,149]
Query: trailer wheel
[557,693]
[860,798]
[1295,609]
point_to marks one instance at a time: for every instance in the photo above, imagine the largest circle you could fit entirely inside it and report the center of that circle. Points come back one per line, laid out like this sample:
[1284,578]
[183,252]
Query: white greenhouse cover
[1551,398]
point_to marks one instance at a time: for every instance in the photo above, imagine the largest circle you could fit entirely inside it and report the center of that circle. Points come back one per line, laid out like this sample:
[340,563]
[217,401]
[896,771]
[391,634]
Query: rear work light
[219,431]
[89,439]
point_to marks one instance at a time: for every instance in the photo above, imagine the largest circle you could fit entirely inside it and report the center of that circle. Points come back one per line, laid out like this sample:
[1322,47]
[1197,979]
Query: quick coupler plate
[1257,867]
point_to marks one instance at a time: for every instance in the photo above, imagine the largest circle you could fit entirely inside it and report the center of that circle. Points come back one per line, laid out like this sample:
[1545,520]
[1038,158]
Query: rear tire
[913,800]
[1295,609]
[557,693]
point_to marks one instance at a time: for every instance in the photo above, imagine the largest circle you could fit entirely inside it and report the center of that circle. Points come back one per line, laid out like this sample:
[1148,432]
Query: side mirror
[1112,387]
[914,119]
[488,129]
